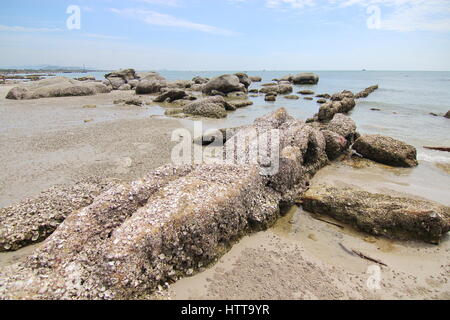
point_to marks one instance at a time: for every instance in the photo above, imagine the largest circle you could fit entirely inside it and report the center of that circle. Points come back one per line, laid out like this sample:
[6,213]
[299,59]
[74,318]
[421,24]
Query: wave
[432,158]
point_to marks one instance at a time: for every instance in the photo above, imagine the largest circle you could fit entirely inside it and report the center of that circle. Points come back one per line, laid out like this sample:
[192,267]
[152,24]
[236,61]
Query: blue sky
[229,34]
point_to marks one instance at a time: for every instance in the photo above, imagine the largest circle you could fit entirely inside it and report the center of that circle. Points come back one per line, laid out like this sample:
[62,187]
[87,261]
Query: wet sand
[47,142]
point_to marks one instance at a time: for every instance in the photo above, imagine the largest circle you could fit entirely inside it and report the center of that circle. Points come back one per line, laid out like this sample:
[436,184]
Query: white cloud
[160,19]
[170,3]
[102,36]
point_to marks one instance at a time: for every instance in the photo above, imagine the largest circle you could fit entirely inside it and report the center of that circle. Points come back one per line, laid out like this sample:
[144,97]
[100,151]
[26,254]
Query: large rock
[200,80]
[282,88]
[379,214]
[214,107]
[366,92]
[171,95]
[244,79]
[225,84]
[305,78]
[150,76]
[150,86]
[126,75]
[56,87]
[447,115]
[255,79]
[137,236]
[386,150]
[329,109]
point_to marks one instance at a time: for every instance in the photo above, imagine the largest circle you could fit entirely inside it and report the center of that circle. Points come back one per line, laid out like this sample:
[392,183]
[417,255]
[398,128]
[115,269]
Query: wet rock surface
[386,150]
[379,214]
[135,236]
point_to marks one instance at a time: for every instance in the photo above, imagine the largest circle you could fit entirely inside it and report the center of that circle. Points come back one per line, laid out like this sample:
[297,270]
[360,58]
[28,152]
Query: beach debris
[380,214]
[354,252]
[56,87]
[305,78]
[136,237]
[386,150]
[444,149]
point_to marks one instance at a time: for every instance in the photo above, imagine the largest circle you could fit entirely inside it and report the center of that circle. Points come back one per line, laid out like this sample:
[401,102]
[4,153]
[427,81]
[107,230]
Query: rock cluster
[226,84]
[122,79]
[366,92]
[174,221]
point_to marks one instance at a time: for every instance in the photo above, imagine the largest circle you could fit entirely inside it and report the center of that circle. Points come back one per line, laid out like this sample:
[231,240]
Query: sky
[227,34]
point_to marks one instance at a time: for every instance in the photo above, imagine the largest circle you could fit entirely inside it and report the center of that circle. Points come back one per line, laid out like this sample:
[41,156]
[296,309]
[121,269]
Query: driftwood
[444,149]
[329,222]
[361,255]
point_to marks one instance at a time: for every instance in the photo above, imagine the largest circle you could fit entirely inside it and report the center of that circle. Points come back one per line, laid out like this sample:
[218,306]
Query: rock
[270,97]
[237,95]
[341,96]
[306,92]
[214,107]
[56,87]
[447,115]
[173,111]
[271,84]
[323,95]
[126,75]
[381,215]
[375,109]
[87,78]
[223,84]
[329,109]
[255,79]
[150,86]
[33,220]
[200,80]
[306,78]
[386,150]
[133,83]
[240,103]
[180,84]
[90,106]
[244,79]
[134,102]
[288,78]
[268,89]
[197,87]
[308,98]
[151,76]
[292,97]
[116,83]
[135,236]
[335,144]
[321,101]
[285,88]
[366,92]
[253,91]
[171,95]
[125,87]
[344,126]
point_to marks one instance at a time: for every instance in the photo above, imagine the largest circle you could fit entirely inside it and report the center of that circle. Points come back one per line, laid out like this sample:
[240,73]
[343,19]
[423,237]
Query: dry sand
[47,142]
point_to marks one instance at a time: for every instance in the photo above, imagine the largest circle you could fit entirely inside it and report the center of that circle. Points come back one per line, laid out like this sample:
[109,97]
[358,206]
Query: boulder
[341,96]
[255,79]
[125,87]
[133,83]
[336,144]
[225,84]
[126,75]
[366,92]
[447,115]
[292,97]
[116,82]
[305,78]
[200,80]
[386,150]
[270,97]
[150,76]
[214,107]
[380,214]
[308,98]
[87,78]
[150,86]
[288,78]
[244,79]
[237,95]
[180,84]
[284,88]
[171,95]
[329,109]
[321,101]
[323,95]
[56,87]
[237,104]
[306,92]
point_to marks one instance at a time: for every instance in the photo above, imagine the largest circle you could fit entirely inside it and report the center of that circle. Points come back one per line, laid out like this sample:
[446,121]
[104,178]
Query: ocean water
[406,99]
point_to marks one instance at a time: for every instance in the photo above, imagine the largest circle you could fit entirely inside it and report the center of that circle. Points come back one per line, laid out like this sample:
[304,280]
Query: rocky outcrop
[56,87]
[386,150]
[150,86]
[379,214]
[177,219]
[118,79]
[329,109]
[341,96]
[366,92]
[214,107]
[305,78]
[224,84]
[33,220]
[171,95]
